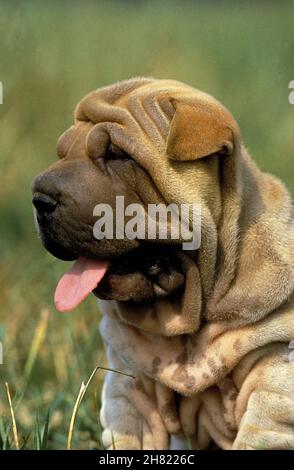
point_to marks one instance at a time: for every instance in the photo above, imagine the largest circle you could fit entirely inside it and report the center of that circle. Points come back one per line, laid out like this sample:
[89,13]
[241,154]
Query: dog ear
[199,129]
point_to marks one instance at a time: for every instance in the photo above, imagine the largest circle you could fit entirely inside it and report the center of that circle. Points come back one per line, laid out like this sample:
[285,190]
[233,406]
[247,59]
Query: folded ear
[200,128]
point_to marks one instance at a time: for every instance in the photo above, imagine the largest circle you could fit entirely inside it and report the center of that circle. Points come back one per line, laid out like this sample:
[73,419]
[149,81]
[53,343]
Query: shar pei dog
[202,335]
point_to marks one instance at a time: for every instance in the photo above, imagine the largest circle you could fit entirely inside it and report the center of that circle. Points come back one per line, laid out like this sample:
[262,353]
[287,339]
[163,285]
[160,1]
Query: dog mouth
[144,275]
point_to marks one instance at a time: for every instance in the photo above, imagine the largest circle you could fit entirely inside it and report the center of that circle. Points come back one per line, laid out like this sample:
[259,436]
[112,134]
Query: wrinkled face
[150,142]
[64,197]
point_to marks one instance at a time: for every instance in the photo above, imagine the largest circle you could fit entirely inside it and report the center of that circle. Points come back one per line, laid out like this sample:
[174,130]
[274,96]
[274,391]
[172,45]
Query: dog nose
[44,204]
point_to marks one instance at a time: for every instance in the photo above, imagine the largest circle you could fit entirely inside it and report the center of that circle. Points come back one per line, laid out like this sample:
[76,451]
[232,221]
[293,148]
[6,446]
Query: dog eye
[112,154]
[115,153]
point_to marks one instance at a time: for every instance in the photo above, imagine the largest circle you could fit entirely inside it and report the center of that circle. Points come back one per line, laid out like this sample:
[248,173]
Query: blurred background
[51,54]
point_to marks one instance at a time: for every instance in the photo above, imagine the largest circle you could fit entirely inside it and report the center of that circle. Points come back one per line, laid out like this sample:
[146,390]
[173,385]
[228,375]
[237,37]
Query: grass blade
[14,427]
[45,432]
[79,399]
[37,433]
[38,339]
[4,441]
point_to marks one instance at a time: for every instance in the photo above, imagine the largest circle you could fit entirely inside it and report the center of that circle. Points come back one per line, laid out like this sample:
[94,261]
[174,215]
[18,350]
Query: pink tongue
[78,282]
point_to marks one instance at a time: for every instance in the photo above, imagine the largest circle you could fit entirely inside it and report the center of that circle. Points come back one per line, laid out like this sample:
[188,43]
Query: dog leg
[267,399]
[129,417]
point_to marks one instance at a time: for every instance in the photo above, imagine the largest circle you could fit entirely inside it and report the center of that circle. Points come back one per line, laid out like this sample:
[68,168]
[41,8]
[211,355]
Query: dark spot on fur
[182,358]
[205,376]
[138,385]
[233,397]
[168,411]
[223,370]
[186,357]
[155,365]
[181,375]
[212,365]
[222,359]
[237,345]
[218,371]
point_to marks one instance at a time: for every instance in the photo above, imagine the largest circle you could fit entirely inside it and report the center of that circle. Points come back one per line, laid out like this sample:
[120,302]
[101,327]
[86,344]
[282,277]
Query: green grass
[51,54]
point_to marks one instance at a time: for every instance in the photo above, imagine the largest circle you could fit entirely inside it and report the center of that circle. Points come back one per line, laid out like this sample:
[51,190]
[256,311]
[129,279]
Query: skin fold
[204,335]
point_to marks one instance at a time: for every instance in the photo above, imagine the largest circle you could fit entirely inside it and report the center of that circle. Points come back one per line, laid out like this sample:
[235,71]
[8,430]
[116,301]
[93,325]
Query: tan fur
[223,347]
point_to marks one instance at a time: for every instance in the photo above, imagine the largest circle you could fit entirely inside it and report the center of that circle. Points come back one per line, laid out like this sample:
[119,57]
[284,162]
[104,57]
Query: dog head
[150,142]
